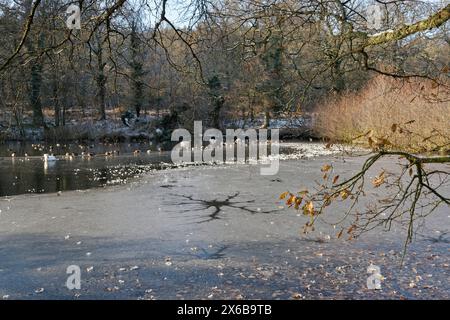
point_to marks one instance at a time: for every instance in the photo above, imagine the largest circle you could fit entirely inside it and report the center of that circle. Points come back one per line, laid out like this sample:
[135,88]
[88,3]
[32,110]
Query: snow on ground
[302,150]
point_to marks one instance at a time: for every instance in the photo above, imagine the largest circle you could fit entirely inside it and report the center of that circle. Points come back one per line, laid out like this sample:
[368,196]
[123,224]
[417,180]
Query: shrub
[419,107]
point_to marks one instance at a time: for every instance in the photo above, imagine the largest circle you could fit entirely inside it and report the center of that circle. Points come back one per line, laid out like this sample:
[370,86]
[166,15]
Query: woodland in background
[223,62]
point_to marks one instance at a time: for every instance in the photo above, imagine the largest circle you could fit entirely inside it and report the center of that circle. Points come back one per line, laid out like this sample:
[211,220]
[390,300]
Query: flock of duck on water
[50,157]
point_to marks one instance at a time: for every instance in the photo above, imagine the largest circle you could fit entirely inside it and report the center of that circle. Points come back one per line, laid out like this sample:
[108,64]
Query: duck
[87,154]
[69,156]
[13,153]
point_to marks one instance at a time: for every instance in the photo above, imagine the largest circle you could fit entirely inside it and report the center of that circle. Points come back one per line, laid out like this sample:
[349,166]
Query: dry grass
[381,104]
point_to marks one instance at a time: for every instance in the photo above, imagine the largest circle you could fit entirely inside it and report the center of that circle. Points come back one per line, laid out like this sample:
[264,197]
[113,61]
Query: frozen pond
[26,172]
[210,232]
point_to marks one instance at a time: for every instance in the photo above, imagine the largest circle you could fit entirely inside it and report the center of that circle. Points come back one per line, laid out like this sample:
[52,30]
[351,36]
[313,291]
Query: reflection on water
[30,174]
[33,175]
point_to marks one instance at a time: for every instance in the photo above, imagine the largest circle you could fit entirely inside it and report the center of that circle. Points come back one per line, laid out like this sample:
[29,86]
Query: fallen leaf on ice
[297,296]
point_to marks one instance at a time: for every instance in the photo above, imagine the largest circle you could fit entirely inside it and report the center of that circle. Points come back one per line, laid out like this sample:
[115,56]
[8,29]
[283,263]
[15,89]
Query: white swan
[49,158]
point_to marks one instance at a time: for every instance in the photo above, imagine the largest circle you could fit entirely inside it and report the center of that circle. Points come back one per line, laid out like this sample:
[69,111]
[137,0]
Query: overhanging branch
[434,21]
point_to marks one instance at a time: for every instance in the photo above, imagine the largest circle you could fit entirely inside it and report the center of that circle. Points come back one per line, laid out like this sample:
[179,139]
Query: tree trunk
[35,94]
[266,122]
[56,103]
[218,105]
[101,80]
[36,84]
[137,72]
[101,95]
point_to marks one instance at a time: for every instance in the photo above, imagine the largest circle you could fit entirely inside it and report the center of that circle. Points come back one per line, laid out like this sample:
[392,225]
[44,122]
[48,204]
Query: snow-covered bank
[110,130]
[144,128]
